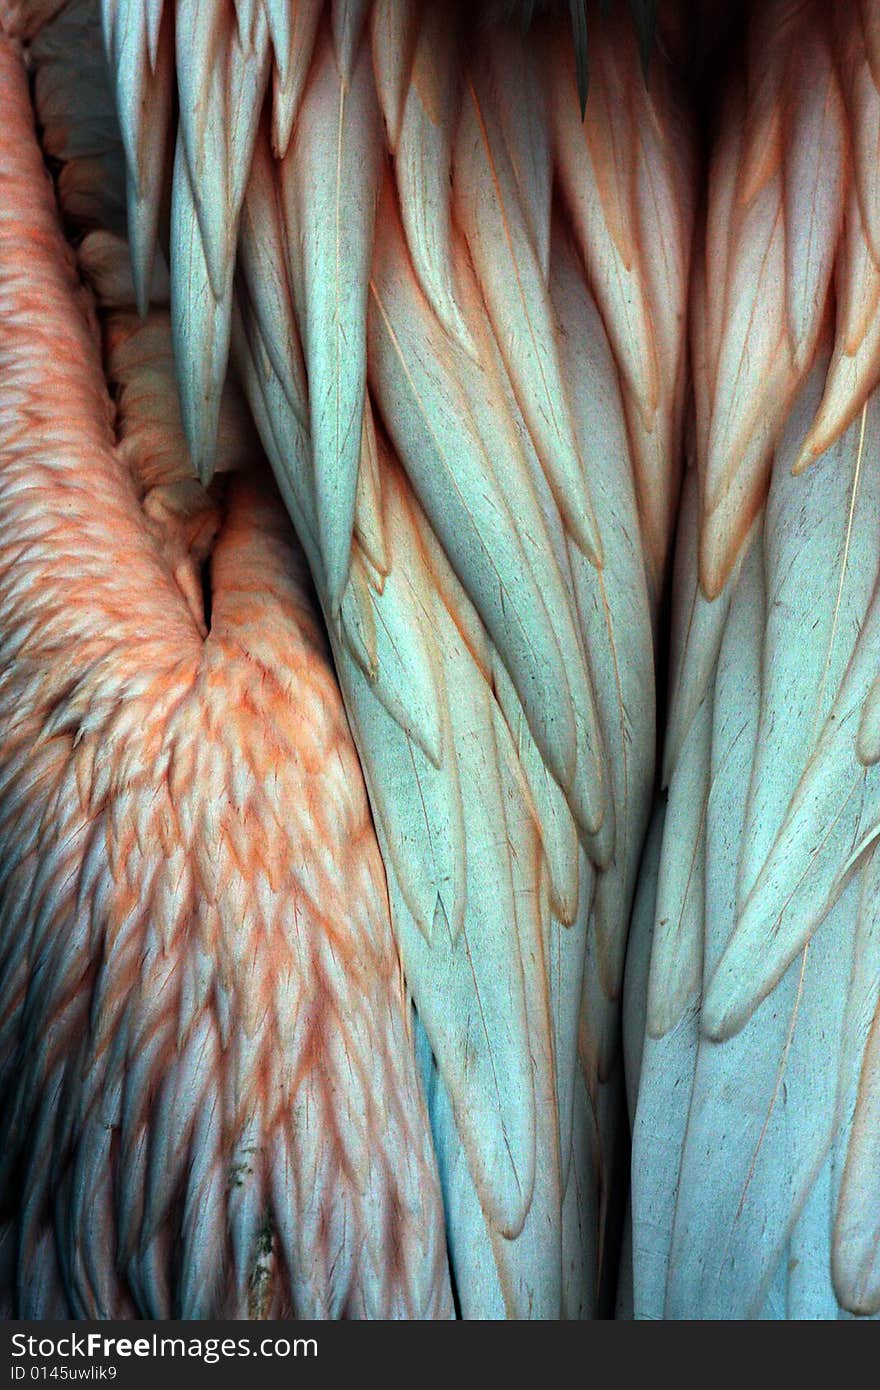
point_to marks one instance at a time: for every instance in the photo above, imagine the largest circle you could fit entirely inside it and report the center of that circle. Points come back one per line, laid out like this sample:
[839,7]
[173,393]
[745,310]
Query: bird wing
[758,1081]
[470,393]
[209,1095]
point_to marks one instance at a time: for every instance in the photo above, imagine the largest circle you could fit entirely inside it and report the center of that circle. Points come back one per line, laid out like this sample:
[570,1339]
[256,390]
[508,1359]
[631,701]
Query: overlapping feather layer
[457,312]
[789,248]
[755,1147]
[209,1098]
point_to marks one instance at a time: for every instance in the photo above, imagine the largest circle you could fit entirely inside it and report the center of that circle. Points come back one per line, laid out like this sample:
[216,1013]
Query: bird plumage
[209,1086]
[429,342]
[752,1189]
[268,1050]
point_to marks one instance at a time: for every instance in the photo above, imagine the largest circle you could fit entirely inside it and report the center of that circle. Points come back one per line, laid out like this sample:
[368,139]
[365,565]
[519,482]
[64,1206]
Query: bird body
[428,341]
[355,376]
[208,1082]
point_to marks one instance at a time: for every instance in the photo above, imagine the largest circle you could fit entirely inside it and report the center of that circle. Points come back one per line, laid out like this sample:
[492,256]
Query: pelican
[362,362]
[323,797]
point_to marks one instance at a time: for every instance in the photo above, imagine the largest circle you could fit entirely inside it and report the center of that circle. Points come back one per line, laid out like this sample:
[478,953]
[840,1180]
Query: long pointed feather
[506,264]
[336,131]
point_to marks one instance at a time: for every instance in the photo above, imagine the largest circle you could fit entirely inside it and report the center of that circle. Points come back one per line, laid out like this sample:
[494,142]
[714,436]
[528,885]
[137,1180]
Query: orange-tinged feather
[200,821]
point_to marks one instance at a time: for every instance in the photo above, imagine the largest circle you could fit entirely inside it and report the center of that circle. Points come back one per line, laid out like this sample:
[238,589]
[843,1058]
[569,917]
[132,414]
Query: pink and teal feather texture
[323,800]
[756,1130]
[209,1089]
[469,379]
